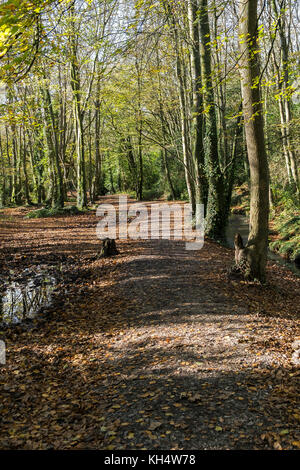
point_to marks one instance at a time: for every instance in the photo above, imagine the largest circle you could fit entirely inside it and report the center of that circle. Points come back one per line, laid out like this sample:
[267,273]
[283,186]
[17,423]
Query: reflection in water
[240,223]
[23,299]
[237,223]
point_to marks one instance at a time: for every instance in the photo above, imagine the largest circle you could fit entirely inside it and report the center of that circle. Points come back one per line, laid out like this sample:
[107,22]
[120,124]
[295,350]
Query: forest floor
[155,348]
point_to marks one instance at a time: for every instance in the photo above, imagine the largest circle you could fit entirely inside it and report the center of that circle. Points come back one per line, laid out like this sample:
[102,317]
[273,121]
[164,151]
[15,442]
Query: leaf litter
[153,349]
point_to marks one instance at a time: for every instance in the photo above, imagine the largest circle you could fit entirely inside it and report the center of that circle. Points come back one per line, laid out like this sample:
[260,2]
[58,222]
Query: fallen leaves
[154,425]
[145,363]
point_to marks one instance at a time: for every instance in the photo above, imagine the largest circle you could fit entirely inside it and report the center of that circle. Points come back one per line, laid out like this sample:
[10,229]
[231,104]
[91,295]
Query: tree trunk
[52,139]
[284,103]
[254,129]
[2,175]
[139,129]
[197,107]
[78,117]
[98,189]
[230,172]
[26,181]
[216,213]
[187,159]
[164,152]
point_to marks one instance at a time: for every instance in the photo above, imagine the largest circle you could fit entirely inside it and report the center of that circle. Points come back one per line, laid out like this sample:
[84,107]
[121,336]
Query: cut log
[239,247]
[242,258]
[109,248]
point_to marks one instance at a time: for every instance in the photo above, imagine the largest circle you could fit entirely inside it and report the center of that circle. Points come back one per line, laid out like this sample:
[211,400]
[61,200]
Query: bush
[285,197]
[287,249]
[287,226]
[152,194]
[54,212]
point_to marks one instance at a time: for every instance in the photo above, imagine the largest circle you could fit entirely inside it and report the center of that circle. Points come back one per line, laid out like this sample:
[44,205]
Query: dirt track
[155,348]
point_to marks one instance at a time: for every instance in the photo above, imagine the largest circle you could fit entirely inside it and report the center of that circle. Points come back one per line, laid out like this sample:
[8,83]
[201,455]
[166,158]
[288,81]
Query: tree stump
[109,248]
[242,262]
[297,261]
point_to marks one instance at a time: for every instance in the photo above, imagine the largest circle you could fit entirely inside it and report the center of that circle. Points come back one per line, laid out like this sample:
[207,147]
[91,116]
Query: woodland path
[152,349]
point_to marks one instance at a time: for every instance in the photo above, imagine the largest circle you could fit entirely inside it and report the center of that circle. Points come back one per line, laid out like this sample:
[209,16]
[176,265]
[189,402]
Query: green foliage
[285,197]
[152,194]
[287,228]
[152,170]
[240,201]
[43,213]
[20,36]
[290,227]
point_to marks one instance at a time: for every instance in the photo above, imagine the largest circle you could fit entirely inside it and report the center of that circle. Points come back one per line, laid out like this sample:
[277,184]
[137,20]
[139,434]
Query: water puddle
[23,297]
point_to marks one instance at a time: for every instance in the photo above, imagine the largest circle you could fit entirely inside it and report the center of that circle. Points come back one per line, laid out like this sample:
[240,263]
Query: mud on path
[152,349]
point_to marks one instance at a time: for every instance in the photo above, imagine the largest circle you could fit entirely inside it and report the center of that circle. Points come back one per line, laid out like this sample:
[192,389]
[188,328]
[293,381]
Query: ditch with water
[24,296]
[240,223]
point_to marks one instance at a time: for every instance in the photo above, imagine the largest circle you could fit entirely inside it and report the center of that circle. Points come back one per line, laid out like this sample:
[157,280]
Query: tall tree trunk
[132,163]
[220,87]
[98,177]
[53,140]
[37,167]
[216,213]
[90,172]
[8,161]
[254,129]
[163,125]
[186,150]
[26,180]
[16,189]
[139,129]
[284,103]
[2,176]
[231,167]
[78,115]
[15,195]
[197,106]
